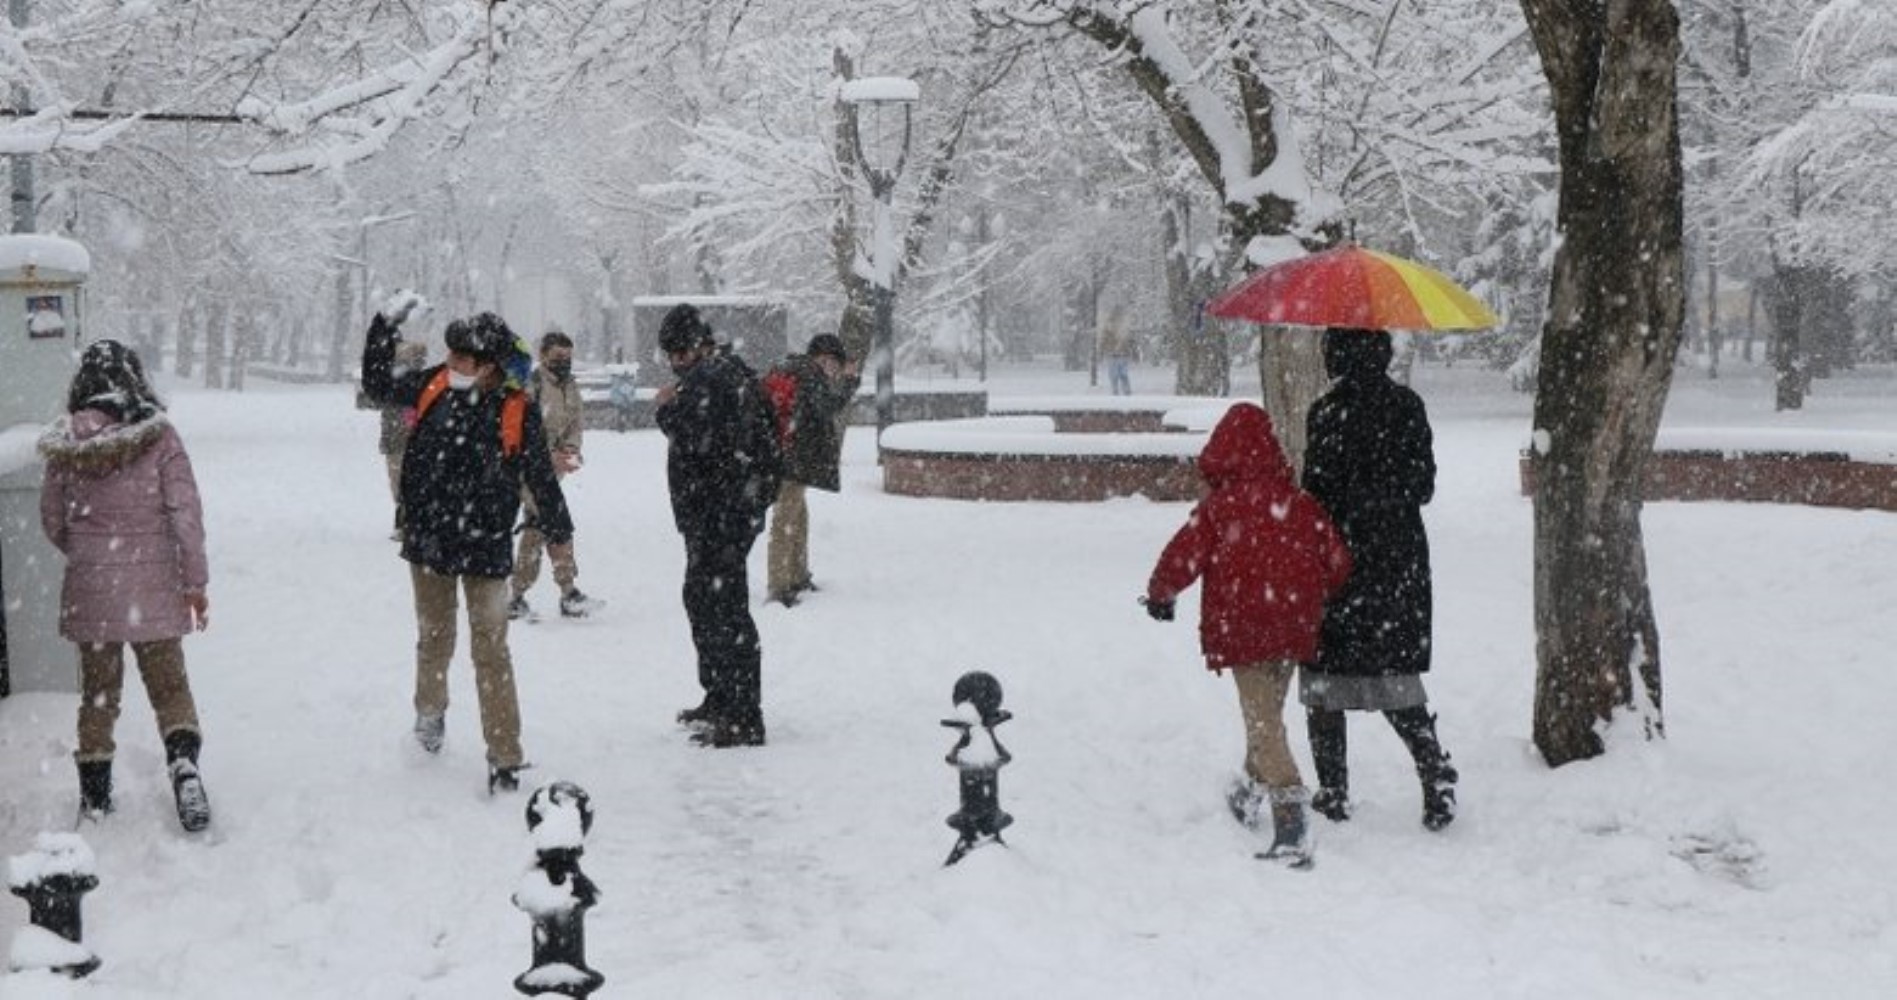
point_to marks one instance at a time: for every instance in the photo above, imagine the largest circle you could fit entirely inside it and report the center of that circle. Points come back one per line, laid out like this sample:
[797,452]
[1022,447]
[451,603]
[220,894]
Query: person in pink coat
[120,501]
[1268,556]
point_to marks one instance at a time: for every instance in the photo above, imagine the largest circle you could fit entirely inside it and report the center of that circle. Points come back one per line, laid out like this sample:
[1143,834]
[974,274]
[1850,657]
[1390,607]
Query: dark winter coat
[816,438]
[1369,461]
[722,463]
[120,501]
[1265,548]
[460,493]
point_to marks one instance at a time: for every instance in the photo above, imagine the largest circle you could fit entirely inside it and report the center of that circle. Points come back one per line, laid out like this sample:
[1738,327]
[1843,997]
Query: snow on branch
[386,100]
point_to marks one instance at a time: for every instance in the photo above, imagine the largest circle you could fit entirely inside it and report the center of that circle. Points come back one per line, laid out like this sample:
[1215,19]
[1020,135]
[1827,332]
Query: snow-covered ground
[1748,855]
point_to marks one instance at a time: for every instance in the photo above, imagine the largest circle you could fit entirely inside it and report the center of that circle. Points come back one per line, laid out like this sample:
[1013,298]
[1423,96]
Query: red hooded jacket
[1266,550]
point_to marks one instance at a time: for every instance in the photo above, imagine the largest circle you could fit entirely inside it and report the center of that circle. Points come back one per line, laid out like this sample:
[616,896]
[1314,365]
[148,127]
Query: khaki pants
[566,569]
[102,679]
[487,641]
[787,554]
[1261,690]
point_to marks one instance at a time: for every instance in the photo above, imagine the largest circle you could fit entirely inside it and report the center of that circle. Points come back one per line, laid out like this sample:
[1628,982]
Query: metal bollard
[52,879]
[557,894]
[979,696]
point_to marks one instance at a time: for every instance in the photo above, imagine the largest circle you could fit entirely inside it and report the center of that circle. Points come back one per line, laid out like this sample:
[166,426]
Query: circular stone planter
[1067,451]
[1856,470]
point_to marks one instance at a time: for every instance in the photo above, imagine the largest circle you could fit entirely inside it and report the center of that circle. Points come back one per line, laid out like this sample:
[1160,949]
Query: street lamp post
[894,92]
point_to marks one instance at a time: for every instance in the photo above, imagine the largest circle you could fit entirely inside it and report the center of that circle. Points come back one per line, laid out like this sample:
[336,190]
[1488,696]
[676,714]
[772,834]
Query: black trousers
[718,604]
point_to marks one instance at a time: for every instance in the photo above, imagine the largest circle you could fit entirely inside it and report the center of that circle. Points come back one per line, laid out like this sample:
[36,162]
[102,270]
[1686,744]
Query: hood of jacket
[1243,447]
[96,441]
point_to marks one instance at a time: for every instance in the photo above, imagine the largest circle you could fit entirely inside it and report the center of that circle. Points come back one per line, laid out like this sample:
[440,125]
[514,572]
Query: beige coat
[560,410]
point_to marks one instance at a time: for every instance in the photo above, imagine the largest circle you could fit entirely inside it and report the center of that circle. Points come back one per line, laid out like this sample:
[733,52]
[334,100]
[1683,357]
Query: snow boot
[181,759]
[1439,798]
[574,604]
[431,730]
[1290,835]
[1247,802]
[518,608]
[724,733]
[1417,728]
[1331,803]
[504,779]
[1329,741]
[95,789]
[700,715]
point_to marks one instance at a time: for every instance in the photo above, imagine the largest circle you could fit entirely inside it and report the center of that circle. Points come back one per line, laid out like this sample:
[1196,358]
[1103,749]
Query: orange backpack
[513,412]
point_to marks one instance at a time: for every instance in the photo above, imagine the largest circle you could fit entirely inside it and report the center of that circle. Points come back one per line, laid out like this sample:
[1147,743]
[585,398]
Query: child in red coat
[1269,557]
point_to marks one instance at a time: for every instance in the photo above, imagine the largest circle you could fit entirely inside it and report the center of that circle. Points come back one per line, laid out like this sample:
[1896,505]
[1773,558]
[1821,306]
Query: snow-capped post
[557,894]
[881,266]
[977,699]
[52,878]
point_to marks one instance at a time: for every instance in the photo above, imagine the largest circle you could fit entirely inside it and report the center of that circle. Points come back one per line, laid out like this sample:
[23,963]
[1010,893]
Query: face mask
[561,370]
[458,381]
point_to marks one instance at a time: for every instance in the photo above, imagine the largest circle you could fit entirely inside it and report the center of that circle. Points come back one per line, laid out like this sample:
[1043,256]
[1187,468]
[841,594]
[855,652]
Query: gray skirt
[1341,693]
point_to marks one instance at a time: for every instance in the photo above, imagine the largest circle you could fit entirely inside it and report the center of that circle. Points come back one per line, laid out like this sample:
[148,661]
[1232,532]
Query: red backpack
[780,387]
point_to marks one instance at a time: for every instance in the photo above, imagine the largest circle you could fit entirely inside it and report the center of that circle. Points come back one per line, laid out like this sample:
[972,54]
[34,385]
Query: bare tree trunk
[243,344]
[343,332]
[1613,332]
[1786,302]
[1204,358]
[187,337]
[216,319]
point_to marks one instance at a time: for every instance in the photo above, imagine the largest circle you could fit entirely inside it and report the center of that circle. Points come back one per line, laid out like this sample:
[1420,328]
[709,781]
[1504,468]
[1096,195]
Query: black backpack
[759,450]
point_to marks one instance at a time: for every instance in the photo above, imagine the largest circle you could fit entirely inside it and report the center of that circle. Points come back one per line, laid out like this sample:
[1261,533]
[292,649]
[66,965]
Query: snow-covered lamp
[881,94]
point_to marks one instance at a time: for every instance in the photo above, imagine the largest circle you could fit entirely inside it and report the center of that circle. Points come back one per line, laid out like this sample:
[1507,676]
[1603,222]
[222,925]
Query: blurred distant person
[563,421]
[1116,345]
[120,501]
[476,443]
[809,393]
[392,441]
[722,467]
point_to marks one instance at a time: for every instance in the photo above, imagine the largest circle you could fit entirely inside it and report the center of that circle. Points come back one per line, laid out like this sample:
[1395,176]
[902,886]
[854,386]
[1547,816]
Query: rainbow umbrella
[1352,286]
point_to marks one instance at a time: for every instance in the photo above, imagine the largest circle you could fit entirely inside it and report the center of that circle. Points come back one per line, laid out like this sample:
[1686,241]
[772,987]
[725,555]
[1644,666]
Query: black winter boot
[95,788]
[181,757]
[1417,728]
[1290,835]
[1329,741]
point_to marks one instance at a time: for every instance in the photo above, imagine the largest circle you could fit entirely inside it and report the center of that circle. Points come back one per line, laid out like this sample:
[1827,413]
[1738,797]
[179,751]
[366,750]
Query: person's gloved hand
[401,304]
[1161,611]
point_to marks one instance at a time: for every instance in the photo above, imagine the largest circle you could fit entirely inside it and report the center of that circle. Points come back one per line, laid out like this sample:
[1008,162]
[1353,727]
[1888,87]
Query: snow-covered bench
[1818,468]
[1060,449]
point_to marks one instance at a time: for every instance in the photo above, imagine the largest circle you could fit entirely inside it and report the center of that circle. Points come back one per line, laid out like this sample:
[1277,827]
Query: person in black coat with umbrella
[1369,461]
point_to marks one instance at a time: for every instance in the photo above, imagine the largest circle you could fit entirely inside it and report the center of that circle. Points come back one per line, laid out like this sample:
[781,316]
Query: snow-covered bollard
[52,878]
[977,700]
[557,894]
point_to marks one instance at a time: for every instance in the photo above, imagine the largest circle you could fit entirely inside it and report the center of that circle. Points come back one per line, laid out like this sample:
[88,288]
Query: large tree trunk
[1615,312]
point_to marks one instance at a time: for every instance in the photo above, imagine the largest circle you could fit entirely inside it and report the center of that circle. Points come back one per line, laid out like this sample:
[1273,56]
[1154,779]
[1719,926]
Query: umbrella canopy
[1355,287]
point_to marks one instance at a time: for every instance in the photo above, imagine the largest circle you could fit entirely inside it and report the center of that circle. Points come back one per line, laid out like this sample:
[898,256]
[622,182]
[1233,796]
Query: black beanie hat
[682,329]
[484,337]
[827,344]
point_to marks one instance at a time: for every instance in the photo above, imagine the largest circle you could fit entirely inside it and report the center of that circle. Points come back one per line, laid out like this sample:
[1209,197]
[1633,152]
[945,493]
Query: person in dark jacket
[826,381]
[476,442]
[1369,461]
[1269,557]
[722,466]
